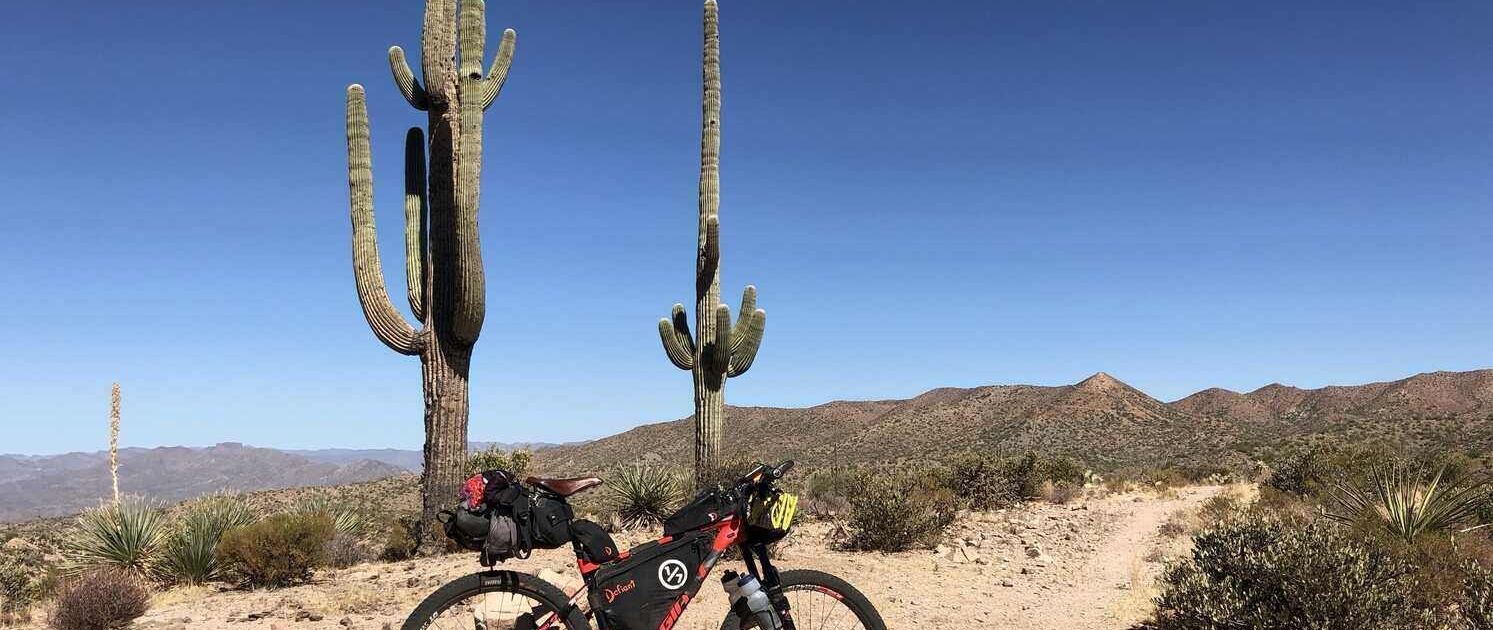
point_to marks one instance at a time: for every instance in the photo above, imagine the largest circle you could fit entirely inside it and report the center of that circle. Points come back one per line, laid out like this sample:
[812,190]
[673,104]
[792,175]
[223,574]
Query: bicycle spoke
[814,609]
[491,611]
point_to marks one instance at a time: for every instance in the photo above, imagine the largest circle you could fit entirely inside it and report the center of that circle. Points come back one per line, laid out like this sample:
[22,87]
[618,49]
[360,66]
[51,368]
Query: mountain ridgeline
[1101,421]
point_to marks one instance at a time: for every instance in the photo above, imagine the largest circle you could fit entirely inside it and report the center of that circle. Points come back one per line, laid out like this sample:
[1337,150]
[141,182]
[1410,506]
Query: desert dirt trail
[1080,566]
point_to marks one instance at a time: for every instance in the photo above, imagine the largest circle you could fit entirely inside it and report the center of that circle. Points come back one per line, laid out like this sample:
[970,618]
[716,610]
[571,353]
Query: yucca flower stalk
[114,439]
[1408,503]
[128,536]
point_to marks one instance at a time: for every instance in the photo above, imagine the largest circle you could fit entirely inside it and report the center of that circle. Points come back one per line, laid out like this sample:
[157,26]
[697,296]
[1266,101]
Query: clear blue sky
[1183,194]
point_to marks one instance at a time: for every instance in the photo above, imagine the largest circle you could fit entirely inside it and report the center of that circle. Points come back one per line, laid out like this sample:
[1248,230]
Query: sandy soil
[1079,566]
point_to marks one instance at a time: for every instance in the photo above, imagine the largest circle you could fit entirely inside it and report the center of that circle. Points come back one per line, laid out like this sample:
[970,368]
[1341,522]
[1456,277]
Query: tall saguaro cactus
[443,258]
[719,349]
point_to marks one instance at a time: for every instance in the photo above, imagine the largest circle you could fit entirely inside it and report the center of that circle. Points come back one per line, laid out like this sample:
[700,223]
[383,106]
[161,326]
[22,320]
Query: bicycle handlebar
[760,470]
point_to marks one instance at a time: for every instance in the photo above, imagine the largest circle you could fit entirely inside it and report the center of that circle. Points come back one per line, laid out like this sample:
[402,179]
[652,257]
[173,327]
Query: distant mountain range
[33,487]
[1100,420]
[1103,422]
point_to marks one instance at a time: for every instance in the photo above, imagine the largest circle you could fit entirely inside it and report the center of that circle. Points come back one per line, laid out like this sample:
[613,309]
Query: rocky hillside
[32,487]
[1100,420]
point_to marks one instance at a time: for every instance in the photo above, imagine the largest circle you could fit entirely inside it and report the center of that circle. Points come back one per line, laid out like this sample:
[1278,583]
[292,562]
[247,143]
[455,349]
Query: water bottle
[733,589]
[749,591]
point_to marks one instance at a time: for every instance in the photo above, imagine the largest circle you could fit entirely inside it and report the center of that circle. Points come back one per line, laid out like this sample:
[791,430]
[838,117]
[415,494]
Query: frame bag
[654,583]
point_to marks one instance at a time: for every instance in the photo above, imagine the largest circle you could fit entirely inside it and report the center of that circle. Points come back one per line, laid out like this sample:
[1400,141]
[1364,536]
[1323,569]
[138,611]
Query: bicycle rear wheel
[820,601]
[496,600]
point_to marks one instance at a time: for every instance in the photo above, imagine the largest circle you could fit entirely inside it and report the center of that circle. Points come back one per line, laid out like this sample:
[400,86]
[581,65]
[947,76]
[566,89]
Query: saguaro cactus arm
[470,283]
[416,222]
[745,340]
[678,344]
[387,324]
[497,75]
[404,78]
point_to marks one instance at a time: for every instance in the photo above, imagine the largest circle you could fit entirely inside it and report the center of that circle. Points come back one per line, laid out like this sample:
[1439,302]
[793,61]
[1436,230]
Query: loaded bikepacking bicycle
[645,588]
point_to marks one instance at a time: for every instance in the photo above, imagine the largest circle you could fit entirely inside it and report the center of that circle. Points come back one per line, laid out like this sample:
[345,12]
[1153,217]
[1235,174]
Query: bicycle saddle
[564,486]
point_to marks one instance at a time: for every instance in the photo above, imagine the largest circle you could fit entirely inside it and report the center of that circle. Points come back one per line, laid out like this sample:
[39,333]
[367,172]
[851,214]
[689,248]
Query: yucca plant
[644,495]
[191,555]
[128,536]
[348,519]
[1407,502]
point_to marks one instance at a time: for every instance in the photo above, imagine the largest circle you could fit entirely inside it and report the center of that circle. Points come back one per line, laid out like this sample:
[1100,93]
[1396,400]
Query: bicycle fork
[768,576]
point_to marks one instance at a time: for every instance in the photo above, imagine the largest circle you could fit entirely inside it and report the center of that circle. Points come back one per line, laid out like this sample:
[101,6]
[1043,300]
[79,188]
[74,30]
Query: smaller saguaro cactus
[114,440]
[719,349]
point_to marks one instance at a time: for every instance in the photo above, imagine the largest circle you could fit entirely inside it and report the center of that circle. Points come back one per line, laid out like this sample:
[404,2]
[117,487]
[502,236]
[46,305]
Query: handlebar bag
[769,518]
[709,507]
[653,583]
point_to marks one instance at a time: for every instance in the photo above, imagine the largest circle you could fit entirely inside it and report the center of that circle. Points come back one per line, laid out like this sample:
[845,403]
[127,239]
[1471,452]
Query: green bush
[278,551]
[1476,606]
[1267,574]
[642,494]
[25,579]
[190,555]
[827,491]
[899,511]
[981,482]
[399,539]
[103,600]
[127,536]
[494,457]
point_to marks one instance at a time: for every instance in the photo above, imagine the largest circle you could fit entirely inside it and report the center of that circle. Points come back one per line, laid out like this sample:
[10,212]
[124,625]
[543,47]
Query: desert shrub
[1272,575]
[494,457]
[190,554]
[827,491]
[729,470]
[344,551]
[348,518]
[1476,605]
[1303,472]
[399,539]
[1408,502]
[102,600]
[644,494]
[899,511]
[1060,492]
[1118,484]
[1175,526]
[25,579]
[1061,470]
[278,551]
[1168,478]
[1221,507]
[981,482]
[127,536]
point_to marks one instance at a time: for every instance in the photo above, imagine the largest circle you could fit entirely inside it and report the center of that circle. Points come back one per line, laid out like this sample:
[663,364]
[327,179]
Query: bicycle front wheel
[496,600]
[820,601]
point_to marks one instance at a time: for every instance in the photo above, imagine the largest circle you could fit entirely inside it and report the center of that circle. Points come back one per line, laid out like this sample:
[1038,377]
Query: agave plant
[643,495]
[128,536]
[191,554]
[348,519]
[1407,502]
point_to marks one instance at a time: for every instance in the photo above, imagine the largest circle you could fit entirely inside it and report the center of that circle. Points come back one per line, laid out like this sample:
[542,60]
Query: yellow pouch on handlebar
[771,516]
